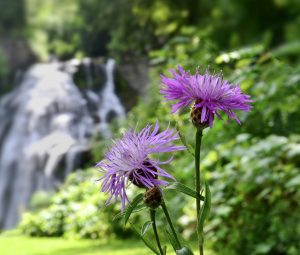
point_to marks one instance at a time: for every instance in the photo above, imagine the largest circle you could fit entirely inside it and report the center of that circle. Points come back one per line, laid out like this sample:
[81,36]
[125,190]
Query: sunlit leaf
[145,227]
[184,251]
[184,189]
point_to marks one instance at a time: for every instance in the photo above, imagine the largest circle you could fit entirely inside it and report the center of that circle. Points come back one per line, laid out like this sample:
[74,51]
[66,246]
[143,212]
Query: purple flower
[209,93]
[128,161]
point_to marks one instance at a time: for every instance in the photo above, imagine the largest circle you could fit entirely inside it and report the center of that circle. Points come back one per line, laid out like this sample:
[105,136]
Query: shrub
[256,197]
[76,212]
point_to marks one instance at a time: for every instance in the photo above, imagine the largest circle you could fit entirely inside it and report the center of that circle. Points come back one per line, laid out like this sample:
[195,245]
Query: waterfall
[110,103]
[46,123]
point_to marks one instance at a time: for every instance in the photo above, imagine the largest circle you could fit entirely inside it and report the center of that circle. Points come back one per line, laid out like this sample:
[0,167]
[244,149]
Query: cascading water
[46,123]
[110,103]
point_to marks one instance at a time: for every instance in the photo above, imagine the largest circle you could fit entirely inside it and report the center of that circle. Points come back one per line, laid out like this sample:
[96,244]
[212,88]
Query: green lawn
[13,243]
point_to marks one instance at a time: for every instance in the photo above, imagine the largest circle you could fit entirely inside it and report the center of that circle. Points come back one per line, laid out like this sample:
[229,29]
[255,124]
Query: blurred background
[75,73]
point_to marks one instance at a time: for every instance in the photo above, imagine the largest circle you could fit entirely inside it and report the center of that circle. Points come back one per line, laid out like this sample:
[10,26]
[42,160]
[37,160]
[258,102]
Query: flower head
[209,93]
[128,161]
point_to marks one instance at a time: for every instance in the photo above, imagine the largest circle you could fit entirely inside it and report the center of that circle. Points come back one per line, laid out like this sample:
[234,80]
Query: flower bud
[153,197]
[196,118]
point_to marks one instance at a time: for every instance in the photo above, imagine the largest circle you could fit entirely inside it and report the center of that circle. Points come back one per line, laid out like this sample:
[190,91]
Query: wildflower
[209,93]
[129,161]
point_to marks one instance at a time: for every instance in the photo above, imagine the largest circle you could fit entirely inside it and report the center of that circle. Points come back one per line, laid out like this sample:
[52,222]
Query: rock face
[46,123]
[17,53]
[15,57]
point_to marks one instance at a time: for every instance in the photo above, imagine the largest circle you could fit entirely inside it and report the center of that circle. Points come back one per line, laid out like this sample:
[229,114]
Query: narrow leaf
[184,189]
[145,227]
[183,140]
[138,208]
[172,240]
[145,241]
[133,204]
[205,208]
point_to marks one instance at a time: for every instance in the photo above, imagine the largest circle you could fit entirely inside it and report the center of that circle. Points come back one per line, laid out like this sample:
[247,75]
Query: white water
[110,103]
[45,125]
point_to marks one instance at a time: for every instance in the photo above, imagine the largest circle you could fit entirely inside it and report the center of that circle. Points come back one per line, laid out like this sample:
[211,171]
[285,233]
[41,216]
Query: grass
[13,243]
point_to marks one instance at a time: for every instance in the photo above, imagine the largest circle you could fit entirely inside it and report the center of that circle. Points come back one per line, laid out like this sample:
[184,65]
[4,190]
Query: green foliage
[133,28]
[256,198]
[53,27]
[268,79]
[40,200]
[188,41]
[76,211]
[12,17]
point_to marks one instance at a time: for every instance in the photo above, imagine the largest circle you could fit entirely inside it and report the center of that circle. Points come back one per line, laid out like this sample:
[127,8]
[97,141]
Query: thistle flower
[128,161]
[209,93]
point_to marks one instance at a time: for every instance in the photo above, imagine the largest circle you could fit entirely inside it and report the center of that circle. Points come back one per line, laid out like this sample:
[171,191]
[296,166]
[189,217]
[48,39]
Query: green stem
[165,209]
[152,216]
[198,187]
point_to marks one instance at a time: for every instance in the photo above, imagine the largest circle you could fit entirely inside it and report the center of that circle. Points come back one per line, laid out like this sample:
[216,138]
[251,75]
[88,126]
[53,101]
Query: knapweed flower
[128,161]
[209,93]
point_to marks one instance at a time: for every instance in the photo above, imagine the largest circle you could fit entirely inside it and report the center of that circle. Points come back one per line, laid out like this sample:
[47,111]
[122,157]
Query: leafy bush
[273,84]
[76,212]
[135,27]
[40,200]
[256,197]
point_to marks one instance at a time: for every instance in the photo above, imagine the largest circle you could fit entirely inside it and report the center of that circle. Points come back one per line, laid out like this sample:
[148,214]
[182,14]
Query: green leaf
[184,189]
[138,208]
[205,209]
[183,140]
[145,240]
[184,251]
[130,208]
[172,240]
[145,227]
